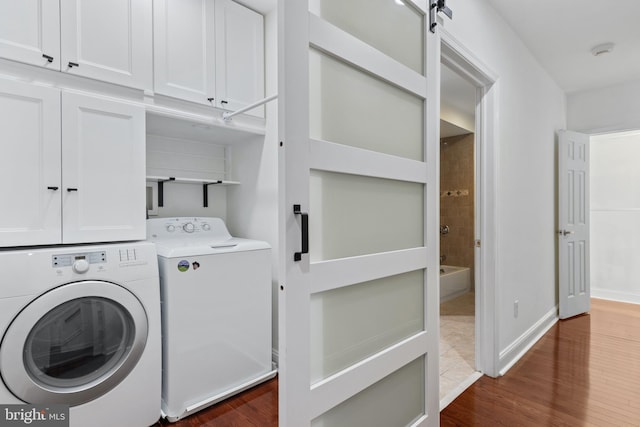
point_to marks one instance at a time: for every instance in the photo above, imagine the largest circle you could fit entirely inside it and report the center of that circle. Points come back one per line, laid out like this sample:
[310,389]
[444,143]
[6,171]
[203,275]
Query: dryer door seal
[73,343]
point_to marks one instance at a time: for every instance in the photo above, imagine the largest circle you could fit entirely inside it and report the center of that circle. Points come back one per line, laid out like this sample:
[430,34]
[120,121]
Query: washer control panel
[80,262]
[181,227]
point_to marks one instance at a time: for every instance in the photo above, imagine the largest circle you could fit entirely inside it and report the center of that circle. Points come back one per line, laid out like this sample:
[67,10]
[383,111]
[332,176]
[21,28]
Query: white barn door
[573,223]
[358,335]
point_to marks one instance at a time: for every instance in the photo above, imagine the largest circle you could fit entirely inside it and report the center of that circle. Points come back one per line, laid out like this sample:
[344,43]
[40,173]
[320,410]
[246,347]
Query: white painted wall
[615,216]
[531,108]
[610,109]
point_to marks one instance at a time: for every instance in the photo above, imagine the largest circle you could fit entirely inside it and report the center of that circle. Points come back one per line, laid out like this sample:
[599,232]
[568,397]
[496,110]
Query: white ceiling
[561,33]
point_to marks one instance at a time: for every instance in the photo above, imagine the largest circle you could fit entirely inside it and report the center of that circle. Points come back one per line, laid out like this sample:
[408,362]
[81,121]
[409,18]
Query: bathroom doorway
[457,234]
[476,127]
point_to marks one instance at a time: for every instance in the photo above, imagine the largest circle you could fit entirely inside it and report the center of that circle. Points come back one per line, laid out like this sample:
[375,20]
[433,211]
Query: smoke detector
[601,49]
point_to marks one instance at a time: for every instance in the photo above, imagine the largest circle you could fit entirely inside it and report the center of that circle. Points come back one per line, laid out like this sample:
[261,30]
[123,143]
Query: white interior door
[573,223]
[358,191]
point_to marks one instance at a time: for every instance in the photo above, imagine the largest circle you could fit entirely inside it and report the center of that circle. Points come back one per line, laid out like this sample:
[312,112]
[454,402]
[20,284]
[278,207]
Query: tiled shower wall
[457,178]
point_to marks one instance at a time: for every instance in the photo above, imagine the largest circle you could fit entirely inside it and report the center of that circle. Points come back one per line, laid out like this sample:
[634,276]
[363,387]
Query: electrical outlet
[515,308]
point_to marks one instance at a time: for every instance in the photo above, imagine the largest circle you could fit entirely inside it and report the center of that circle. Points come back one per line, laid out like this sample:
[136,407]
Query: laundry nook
[318,213]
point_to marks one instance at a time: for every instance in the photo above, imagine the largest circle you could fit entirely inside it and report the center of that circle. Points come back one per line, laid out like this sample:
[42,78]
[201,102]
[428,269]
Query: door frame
[462,60]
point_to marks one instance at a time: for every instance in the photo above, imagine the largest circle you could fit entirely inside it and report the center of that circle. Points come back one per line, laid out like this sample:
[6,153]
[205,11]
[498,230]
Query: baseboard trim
[451,396]
[510,355]
[619,296]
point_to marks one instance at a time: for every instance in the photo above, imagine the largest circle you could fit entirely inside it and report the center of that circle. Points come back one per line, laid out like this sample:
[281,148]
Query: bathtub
[454,281]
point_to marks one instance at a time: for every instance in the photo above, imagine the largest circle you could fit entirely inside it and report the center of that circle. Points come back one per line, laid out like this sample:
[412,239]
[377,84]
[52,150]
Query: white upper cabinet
[72,173]
[209,52]
[103,173]
[30,163]
[30,32]
[239,56]
[184,48]
[109,41]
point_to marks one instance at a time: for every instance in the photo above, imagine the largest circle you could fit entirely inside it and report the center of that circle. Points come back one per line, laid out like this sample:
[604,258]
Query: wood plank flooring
[584,372]
[256,407]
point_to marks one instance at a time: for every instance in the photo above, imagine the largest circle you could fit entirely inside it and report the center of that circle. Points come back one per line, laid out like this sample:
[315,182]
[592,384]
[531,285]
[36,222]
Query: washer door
[73,344]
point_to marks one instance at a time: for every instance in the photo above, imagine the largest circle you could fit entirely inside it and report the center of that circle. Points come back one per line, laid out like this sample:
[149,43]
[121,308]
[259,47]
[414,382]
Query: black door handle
[73,64]
[47,57]
[297,256]
[52,188]
[71,189]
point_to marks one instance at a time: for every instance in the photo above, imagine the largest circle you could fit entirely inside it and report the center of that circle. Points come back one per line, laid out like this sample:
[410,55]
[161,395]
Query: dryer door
[73,343]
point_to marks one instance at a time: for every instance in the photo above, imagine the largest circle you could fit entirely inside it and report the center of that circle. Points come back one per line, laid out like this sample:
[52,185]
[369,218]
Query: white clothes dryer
[216,312]
[80,326]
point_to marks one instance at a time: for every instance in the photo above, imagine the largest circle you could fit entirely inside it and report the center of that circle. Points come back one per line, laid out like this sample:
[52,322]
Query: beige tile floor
[457,342]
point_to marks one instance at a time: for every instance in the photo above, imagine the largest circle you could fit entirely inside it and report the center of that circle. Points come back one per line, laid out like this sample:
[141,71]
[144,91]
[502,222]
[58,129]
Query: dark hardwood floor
[584,372]
[256,407]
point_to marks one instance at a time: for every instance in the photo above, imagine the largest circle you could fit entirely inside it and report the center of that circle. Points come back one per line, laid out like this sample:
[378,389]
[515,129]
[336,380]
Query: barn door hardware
[436,6]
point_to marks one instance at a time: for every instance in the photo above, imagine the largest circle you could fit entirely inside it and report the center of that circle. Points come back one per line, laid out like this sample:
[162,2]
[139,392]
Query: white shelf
[179,180]
[204,182]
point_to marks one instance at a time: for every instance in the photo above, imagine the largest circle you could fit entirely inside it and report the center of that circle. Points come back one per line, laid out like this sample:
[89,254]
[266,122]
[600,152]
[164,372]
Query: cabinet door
[103,177]
[29,164]
[30,32]
[239,57]
[107,40]
[184,49]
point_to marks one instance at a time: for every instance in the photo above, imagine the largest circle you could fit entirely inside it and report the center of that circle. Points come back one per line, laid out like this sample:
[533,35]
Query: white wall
[530,108]
[615,216]
[610,109]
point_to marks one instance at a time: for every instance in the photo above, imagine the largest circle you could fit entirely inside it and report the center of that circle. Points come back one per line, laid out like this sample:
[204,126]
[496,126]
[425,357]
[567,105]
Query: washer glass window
[78,342]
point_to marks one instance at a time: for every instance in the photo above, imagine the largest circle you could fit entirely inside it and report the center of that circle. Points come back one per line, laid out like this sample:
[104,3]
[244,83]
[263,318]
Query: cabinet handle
[71,189]
[47,57]
[297,256]
[53,188]
[73,64]
[224,102]
[210,99]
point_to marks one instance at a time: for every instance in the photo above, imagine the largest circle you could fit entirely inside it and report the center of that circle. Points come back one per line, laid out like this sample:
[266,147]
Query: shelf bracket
[205,192]
[161,190]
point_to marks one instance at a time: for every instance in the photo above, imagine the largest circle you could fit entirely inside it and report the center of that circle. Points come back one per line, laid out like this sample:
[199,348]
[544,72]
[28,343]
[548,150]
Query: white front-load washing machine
[216,312]
[80,326]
